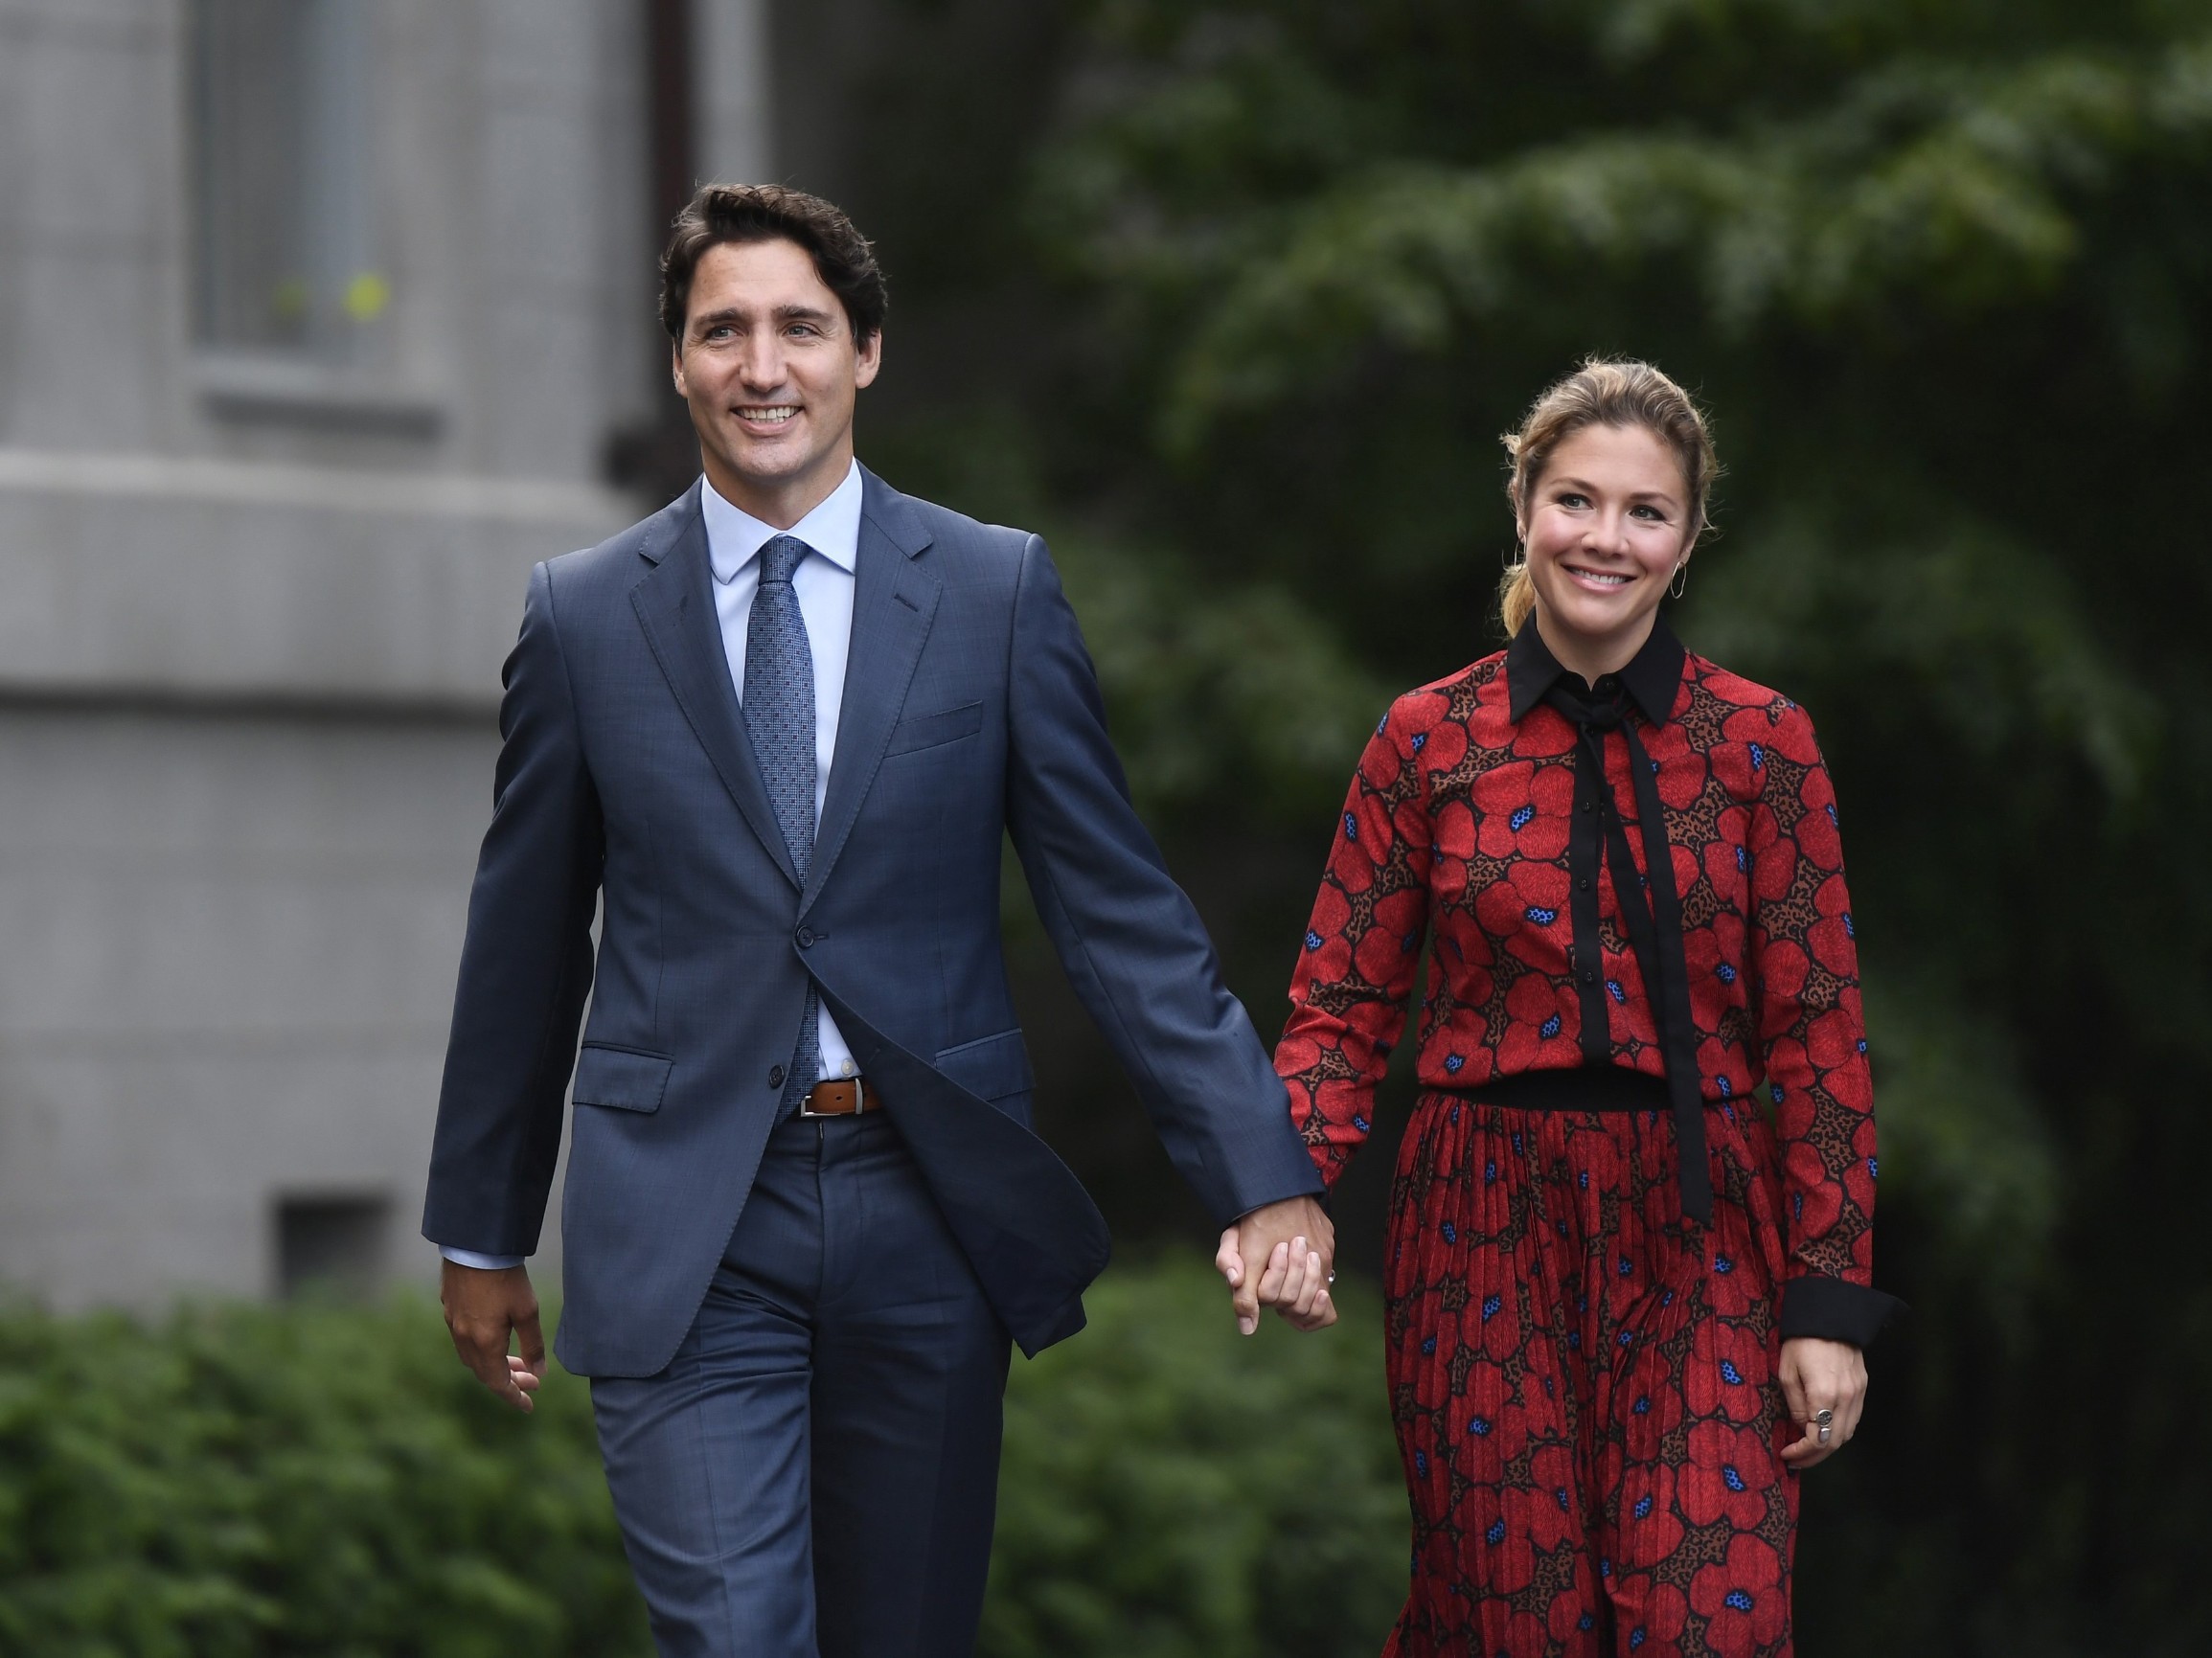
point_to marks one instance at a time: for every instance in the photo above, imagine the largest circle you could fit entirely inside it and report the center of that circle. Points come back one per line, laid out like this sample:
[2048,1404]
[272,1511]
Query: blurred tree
[1939,266]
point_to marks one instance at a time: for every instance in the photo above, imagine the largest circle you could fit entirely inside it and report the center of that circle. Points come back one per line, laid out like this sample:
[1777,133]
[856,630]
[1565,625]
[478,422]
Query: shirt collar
[735,538]
[1651,678]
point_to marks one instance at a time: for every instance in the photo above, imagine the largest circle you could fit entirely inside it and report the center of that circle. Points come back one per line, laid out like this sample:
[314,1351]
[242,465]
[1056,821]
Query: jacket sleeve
[525,966]
[1129,938]
[1356,967]
[1804,957]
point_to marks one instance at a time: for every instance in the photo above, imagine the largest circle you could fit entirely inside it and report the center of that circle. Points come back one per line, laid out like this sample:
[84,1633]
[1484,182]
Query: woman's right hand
[1821,1376]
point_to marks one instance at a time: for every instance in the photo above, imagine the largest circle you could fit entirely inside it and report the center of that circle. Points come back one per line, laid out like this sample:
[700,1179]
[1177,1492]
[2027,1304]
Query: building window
[283,258]
[332,1245]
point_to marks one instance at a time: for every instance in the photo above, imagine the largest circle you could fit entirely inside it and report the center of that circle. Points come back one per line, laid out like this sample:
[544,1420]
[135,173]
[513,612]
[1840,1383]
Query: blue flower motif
[1862,1044]
[1543,917]
[1797,1206]
[1775,1089]
[1455,1113]
[1359,1123]
[1420,742]
[1626,1267]
[1450,1233]
[1478,1427]
[1520,819]
[1643,1506]
[1561,1493]
[1726,1087]
[1830,808]
[1517,1150]
[1730,1478]
[1730,1375]
[1613,987]
[1574,1340]
[1495,1534]
[1490,1172]
[1742,860]
[1628,1338]
[1421,1462]
[1429,1348]
[1563,1227]
[1737,1599]
[1407,943]
[1314,940]
[1637,1637]
[1722,1264]
[1583,1180]
[1605,1566]
[1351,827]
[1585,1622]
[1643,1405]
[1666,1299]
[1758,758]
[1874,1168]
[1453,1061]
[1849,931]
[1492,1306]
[1725,973]
[1550,1027]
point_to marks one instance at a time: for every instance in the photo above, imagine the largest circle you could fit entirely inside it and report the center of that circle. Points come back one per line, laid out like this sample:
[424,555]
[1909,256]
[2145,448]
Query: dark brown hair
[1605,391]
[725,213]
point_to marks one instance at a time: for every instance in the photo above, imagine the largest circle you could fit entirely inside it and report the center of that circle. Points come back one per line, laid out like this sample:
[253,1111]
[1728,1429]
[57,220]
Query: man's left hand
[1293,1247]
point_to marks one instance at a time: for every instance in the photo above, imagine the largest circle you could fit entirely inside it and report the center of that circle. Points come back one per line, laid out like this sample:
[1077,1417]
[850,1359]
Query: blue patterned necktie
[778,707]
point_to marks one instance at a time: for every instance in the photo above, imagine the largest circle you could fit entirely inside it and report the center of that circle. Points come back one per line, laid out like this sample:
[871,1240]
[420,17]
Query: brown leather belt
[845,1097]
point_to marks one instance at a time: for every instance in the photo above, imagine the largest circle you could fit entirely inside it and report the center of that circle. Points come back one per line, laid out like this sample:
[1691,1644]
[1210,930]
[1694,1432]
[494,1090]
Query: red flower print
[1741,1598]
[1727,1370]
[1730,1472]
[1525,811]
[1649,1529]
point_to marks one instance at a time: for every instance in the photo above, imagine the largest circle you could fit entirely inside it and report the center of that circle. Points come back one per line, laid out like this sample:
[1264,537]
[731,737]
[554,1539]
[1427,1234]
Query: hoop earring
[1681,584]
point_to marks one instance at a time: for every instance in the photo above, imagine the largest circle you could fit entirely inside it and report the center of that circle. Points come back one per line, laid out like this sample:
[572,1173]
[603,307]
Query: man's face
[769,366]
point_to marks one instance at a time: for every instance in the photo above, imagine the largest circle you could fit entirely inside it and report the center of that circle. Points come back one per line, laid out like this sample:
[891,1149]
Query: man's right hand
[482,1311]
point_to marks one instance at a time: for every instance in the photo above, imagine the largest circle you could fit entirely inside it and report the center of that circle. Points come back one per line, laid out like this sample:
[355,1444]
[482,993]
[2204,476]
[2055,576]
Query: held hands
[1293,1248]
[1821,1376]
[481,1310]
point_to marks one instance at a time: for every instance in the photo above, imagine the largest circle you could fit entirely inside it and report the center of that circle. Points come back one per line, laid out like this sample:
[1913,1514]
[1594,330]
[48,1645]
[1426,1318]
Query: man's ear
[869,360]
[676,368]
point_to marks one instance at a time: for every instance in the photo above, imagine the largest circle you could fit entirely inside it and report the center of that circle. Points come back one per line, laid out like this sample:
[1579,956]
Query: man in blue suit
[774,733]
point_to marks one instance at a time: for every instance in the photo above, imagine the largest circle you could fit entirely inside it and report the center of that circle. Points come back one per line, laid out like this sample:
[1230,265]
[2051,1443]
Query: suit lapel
[675,606]
[893,600]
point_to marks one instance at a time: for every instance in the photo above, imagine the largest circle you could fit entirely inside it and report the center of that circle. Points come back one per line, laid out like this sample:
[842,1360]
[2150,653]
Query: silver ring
[1825,1431]
[1823,1418]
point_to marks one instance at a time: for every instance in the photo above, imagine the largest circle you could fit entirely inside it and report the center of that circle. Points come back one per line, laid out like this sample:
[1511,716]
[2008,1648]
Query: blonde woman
[1629,1250]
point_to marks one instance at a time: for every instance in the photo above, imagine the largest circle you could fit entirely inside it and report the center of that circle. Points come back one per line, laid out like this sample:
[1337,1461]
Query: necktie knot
[780,556]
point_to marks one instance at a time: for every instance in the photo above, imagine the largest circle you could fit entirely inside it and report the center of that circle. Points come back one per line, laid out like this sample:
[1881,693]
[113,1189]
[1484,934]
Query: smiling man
[774,736]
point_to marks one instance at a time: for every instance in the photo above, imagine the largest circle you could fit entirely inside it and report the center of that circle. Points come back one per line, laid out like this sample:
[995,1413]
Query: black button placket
[1587,959]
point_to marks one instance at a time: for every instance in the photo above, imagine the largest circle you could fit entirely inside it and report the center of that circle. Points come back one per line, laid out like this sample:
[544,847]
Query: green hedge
[325,1479]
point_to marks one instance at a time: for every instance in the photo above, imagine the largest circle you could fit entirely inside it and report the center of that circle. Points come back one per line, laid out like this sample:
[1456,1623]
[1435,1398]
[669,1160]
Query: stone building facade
[319,320]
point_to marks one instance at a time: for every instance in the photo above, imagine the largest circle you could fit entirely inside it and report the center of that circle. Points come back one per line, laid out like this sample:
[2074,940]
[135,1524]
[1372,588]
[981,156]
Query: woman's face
[1603,531]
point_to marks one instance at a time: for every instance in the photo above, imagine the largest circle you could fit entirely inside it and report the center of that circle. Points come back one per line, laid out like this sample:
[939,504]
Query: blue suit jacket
[627,779]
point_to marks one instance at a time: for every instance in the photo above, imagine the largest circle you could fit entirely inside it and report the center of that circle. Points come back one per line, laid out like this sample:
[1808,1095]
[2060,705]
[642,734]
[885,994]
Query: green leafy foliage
[247,1481]
[1173,1489]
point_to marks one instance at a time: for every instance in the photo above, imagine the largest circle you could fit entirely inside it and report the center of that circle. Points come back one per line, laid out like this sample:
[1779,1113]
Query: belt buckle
[860,1105]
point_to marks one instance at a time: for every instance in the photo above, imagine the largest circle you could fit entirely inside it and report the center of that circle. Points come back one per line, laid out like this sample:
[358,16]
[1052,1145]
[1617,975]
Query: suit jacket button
[775,1076]
[806,938]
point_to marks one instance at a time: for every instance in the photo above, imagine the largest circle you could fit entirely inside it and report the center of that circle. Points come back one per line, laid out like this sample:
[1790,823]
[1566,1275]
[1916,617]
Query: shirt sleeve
[1804,958]
[1355,973]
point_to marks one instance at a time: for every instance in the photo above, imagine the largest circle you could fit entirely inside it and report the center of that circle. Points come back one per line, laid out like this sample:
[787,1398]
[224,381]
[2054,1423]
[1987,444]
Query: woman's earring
[1681,579]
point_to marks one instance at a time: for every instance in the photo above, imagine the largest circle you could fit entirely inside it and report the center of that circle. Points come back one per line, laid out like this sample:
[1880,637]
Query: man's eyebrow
[738,314]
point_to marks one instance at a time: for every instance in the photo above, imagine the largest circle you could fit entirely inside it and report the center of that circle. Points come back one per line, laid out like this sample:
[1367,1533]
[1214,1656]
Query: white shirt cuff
[481,1262]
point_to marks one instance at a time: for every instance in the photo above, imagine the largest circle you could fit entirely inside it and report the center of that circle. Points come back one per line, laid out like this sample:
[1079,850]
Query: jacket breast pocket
[930,730]
[623,1078]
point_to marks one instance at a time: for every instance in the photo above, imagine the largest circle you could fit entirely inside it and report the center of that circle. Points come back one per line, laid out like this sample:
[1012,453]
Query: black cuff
[1835,1311]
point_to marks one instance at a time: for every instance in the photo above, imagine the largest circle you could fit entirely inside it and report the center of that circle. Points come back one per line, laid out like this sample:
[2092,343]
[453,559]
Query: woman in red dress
[1630,1242]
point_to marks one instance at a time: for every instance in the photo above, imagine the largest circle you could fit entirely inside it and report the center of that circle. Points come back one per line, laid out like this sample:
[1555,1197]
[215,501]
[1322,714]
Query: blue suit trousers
[815,1475]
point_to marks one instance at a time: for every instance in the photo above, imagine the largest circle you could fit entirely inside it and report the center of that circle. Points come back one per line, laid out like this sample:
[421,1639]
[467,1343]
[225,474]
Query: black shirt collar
[1651,678]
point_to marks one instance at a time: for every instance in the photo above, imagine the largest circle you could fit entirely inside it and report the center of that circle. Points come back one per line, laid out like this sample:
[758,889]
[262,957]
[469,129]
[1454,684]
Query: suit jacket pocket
[627,1078]
[992,1068]
[928,730]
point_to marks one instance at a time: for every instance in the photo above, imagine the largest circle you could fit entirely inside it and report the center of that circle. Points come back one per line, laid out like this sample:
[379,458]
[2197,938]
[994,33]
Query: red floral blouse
[1459,823]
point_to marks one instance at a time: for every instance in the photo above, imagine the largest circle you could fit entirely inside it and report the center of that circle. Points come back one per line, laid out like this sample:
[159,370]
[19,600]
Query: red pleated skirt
[1583,1386]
